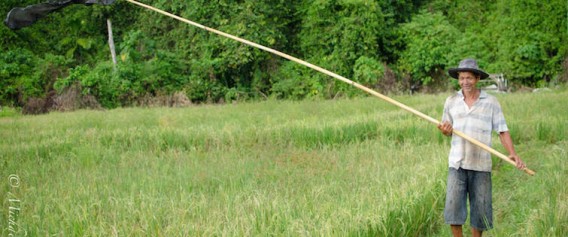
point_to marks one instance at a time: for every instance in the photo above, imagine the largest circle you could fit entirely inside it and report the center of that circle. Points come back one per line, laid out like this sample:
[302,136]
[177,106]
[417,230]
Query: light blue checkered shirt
[477,122]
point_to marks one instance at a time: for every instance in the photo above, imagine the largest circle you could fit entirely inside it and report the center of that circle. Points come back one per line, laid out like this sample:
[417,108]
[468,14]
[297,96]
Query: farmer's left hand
[518,162]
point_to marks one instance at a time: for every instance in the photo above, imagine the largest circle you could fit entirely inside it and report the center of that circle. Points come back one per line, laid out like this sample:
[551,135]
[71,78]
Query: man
[476,114]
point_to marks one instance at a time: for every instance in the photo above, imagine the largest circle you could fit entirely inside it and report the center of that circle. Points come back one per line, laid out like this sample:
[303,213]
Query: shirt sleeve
[446,114]
[499,123]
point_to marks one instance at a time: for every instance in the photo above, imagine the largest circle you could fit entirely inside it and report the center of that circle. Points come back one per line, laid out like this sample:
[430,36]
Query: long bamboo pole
[336,76]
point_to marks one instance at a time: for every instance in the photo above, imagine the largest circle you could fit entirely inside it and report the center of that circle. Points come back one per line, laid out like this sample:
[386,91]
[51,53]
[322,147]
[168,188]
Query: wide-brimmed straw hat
[467,65]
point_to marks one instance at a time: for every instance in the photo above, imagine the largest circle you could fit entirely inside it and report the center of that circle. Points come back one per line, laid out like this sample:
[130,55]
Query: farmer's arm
[508,144]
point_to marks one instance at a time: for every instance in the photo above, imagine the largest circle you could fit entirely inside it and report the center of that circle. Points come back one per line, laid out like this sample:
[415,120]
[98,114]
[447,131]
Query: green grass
[8,112]
[358,167]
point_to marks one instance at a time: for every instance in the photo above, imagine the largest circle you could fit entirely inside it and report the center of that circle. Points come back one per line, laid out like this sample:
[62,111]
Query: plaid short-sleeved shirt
[478,122]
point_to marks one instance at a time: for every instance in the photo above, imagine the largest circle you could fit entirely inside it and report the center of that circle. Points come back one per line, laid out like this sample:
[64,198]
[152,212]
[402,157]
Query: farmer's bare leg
[457,230]
[476,233]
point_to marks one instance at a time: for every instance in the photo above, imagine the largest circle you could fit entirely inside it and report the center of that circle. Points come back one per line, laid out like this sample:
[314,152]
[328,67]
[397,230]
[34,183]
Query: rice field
[348,167]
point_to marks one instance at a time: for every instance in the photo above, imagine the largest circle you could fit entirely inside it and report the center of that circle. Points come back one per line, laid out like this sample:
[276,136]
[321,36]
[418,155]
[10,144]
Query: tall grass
[357,167]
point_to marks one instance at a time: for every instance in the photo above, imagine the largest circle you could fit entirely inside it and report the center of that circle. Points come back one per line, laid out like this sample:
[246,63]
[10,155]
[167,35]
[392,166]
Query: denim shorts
[477,186]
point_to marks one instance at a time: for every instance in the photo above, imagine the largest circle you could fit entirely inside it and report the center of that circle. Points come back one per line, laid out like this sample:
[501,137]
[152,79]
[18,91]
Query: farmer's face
[467,81]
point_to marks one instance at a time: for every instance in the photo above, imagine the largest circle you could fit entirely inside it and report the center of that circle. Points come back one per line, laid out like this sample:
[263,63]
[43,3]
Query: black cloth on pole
[19,17]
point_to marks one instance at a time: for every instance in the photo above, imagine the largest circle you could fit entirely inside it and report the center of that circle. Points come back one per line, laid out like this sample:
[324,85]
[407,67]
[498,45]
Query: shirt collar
[482,94]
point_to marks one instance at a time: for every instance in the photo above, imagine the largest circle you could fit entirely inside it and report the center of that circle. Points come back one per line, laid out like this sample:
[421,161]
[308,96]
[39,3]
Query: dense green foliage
[344,167]
[384,44]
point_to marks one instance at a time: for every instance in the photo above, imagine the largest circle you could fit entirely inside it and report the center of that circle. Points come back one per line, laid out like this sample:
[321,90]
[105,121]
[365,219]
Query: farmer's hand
[518,162]
[446,128]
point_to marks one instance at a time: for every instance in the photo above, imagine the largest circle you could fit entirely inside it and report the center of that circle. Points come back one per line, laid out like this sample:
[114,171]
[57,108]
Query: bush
[429,38]
[368,72]
[36,105]
[131,81]
[200,89]
[16,68]
[24,76]
[293,81]
[72,98]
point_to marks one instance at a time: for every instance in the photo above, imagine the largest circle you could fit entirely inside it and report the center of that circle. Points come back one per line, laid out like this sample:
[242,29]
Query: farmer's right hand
[446,128]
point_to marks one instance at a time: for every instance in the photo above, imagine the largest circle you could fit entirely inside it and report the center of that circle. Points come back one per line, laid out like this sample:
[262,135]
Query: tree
[531,45]
[429,38]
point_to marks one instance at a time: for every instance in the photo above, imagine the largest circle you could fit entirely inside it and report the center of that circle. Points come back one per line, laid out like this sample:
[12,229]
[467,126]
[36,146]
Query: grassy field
[358,167]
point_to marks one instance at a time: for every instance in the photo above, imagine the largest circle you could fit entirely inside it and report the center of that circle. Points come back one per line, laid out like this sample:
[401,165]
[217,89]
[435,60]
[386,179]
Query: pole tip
[529,171]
